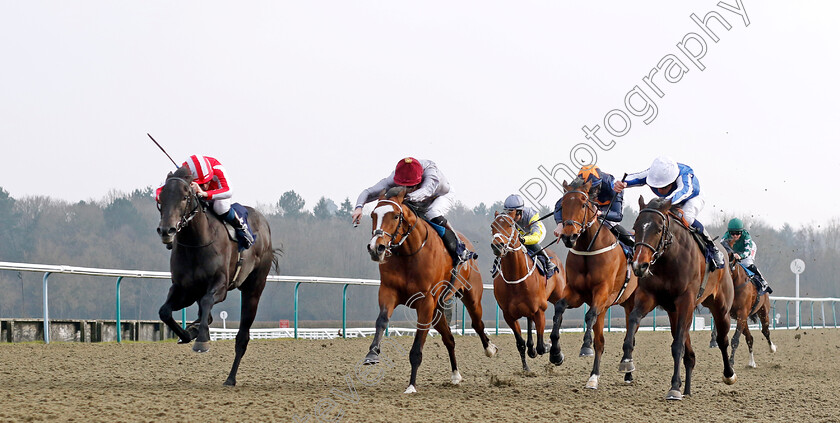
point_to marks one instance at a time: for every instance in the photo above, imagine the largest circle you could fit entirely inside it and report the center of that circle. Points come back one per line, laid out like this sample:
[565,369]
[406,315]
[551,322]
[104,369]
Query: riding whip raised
[164,151]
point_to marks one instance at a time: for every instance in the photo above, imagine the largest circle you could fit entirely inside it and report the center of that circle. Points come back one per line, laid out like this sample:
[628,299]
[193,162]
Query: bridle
[390,248]
[585,224]
[190,210]
[665,238]
[507,246]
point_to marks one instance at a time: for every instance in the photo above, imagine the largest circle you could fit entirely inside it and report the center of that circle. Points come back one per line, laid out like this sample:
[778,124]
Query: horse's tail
[275,258]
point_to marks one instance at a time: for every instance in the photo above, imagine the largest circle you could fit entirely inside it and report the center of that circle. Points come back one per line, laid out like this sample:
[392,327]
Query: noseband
[664,239]
[585,224]
[391,247]
[507,247]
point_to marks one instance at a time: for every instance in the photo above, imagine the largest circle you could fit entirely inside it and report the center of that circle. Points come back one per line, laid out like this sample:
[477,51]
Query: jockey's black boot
[623,235]
[550,266]
[717,256]
[764,286]
[243,231]
[450,241]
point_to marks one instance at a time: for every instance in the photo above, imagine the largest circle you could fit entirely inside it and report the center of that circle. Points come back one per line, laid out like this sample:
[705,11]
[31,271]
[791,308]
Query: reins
[507,247]
[194,202]
[391,247]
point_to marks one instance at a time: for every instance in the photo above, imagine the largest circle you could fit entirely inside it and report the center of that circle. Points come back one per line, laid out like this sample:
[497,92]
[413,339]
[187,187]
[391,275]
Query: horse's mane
[394,191]
[577,183]
[183,172]
[657,203]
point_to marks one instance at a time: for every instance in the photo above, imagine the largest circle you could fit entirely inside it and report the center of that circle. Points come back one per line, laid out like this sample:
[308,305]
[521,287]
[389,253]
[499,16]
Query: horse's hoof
[230,382]
[201,347]
[491,350]
[456,377]
[184,341]
[540,351]
[626,366]
[752,364]
[592,383]
[730,380]
[772,348]
[410,390]
[556,359]
[371,358]
[713,345]
[628,378]
[587,352]
[532,353]
[674,395]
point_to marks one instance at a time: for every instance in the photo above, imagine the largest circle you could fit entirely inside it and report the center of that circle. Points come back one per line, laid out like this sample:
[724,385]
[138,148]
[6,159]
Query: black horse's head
[177,203]
[651,234]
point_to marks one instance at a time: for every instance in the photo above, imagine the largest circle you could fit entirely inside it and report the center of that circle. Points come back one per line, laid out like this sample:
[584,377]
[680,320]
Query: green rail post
[834,314]
[184,318]
[344,312]
[497,319]
[119,328]
[654,319]
[463,317]
[46,310]
[609,319]
[584,317]
[297,285]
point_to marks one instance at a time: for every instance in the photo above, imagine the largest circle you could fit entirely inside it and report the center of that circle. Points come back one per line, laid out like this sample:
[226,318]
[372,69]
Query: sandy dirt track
[285,380]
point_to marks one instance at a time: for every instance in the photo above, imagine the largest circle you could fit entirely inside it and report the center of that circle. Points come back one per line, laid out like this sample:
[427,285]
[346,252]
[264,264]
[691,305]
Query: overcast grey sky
[324,97]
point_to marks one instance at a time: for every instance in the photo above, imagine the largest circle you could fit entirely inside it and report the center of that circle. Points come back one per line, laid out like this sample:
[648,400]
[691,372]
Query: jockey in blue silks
[676,182]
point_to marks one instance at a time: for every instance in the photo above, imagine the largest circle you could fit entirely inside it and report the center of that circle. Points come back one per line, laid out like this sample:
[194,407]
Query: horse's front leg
[177,299]
[592,383]
[555,355]
[749,338]
[425,320]
[586,349]
[713,341]
[643,305]
[387,303]
[205,304]
[442,326]
[736,340]
[520,343]
[539,321]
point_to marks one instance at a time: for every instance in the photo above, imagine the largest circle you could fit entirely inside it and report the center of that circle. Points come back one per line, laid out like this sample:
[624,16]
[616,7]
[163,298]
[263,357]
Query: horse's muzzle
[167,235]
[641,269]
[569,240]
[378,253]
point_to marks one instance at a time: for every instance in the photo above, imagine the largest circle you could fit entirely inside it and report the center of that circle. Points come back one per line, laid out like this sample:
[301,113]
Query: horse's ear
[169,174]
[642,204]
[565,186]
[382,194]
[496,213]
[666,205]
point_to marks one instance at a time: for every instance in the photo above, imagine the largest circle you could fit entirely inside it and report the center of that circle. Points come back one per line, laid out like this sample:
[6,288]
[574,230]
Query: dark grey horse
[203,264]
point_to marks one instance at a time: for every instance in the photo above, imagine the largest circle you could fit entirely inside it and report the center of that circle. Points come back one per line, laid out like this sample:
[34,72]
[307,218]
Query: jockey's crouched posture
[743,249]
[211,184]
[531,230]
[676,182]
[428,192]
[610,205]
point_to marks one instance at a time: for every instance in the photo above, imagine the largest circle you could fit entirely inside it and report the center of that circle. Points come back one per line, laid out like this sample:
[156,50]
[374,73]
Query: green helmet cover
[735,225]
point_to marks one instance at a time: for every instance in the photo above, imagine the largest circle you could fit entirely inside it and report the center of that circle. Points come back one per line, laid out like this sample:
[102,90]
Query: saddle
[698,237]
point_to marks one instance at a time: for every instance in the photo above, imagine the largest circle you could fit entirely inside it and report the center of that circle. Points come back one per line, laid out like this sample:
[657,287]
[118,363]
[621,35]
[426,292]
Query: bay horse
[672,273]
[203,264]
[415,270]
[599,277]
[747,304]
[522,292]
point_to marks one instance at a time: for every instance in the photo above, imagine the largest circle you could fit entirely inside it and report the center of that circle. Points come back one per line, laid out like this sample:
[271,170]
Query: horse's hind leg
[722,322]
[539,321]
[736,341]
[176,300]
[689,360]
[763,316]
[713,341]
[215,294]
[586,349]
[250,301]
[472,301]
[530,344]
[748,336]
[555,355]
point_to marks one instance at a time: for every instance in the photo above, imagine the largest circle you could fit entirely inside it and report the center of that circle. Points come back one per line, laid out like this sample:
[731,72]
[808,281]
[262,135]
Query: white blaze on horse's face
[380,213]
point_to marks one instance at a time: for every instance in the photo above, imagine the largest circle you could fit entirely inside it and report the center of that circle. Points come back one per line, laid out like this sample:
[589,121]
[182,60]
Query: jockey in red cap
[211,183]
[428,191]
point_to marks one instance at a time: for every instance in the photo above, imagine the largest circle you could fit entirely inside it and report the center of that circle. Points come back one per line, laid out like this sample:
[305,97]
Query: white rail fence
[330,333]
